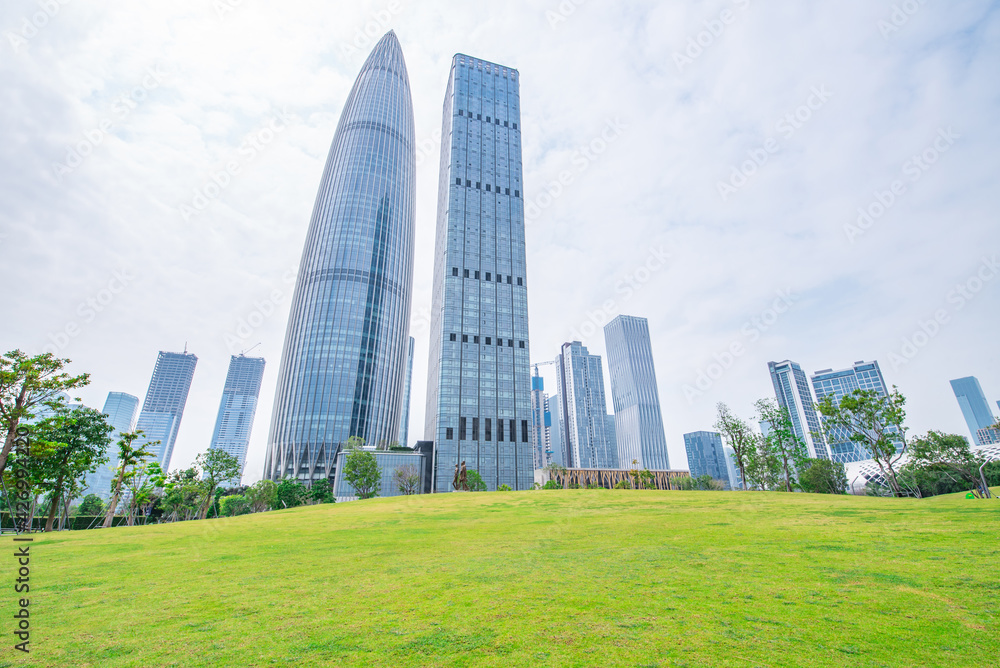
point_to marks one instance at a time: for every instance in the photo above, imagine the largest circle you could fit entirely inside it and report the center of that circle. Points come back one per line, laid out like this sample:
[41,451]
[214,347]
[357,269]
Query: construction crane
[243,353]
[538,364]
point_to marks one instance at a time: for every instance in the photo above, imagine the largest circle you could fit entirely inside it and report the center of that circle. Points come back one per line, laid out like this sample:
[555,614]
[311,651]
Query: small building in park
[388,462]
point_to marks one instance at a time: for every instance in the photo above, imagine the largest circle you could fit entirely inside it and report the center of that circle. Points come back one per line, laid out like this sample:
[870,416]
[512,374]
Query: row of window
[489,188]
[479,117]
[489,340]
[488,430]
[489,276]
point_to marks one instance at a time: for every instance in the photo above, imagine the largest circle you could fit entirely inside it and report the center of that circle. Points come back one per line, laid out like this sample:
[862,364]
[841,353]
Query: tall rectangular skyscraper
[120,409]
[164,405]
[541,423]
[638,420]
[975,408]
[237,408]
[860,376]
[706,455]
[556,443]
[404,422]
[792,392]
[584,409]
[478,377]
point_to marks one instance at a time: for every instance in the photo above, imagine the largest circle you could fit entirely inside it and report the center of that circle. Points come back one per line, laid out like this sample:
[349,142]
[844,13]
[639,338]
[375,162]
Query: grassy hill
[546,578]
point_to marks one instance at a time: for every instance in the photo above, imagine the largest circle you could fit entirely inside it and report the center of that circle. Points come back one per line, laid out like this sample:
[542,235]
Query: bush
[475,481]
[703,483]
[290,493]
[823,477]
[234,504]
[91,505]
[504,488]
[551,484]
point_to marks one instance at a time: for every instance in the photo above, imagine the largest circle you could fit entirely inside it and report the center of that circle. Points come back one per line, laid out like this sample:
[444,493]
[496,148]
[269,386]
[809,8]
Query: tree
[873,421]
[290,493]
[762,469]
[362,473]
[739,436]
[78,439]
[702,483]
[28,382]
[781,441]
[216,467]
[354,443]
[90,506]
[233,504]
[183,494]
[130,455]
[949,453]
[262,495]
[321,492]
[406,478]
[475,481]
[821,476]
[142,483]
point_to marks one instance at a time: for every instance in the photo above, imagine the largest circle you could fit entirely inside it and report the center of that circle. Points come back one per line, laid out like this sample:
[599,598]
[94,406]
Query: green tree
[354,443]
[92,505]
[79,438]
[183,493]
[873,421]
[475,481]
[130,455]
[781,441]
[216,466]
[949,453]
[29,382]
[763,469]
[262,495]
[821,476]
[739,436]
[406,479]
[321,492]
[290,493]
[233,504]
[142,483]
[362,473]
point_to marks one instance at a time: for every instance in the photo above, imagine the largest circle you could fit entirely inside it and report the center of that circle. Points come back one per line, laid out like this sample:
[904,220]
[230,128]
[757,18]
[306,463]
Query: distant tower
[164,405]
[975,408]
[557,445]
[541,423]
[638,420]
[120,409]
[706,455]
[584,409]
[404,423]
[343,366]
[860,376]
[478,374]
[237,409]
[792,392]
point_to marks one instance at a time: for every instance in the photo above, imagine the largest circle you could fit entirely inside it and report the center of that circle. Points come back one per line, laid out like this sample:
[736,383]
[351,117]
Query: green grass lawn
[545,578]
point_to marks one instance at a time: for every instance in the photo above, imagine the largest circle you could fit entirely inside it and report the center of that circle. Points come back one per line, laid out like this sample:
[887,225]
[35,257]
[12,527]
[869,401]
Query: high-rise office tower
[557,446]
[706,455]
[237,409]
[792,391]
[735,480]
[343,366]
[404,423]
[638,420]
[164,405]
[120,409]
[478,376]
[612,436]
[860,376]
[975,408]
[541,423]
[584,409]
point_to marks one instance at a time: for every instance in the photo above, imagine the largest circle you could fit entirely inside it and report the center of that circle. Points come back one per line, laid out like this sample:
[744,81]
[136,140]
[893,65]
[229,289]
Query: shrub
[504,488]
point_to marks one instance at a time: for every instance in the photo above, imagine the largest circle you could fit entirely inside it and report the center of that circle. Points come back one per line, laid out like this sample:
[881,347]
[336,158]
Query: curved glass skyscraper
[344,360]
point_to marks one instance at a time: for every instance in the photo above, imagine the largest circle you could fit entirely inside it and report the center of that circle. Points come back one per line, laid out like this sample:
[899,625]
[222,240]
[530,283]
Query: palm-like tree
[129,455]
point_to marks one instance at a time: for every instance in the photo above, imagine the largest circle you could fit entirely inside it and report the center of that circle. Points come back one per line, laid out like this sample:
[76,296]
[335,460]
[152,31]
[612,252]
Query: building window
[488,119]
[513,431]
[452,336]
[479,117]
[477,185]
[489,430]
[468,183]
[520,344]
[499,342]
[510,343]
[477,274]
[487,187]
[524,431]
[454,271]
[475,339]
[520,281]
[460,112]
[499,429]
[515,126]
[466,273]
[509,281]
[449,433]
[499,278]
[475,429]
[506,191]
[517,193]
[458,181]
[505,123]
[461,428]
[489,341]
[488,277]
[498,121]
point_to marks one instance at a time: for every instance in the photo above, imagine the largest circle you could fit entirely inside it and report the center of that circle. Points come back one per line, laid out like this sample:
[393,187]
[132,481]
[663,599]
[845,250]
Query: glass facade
[638,420]
[541,423]
[706,455]
[404,423]
[164,405]
[343,366]
[861,376]
[975,408]
[237,408]
[388,462]
[120,409]
[792,392]
[557,446]
[478,376]
[584,409]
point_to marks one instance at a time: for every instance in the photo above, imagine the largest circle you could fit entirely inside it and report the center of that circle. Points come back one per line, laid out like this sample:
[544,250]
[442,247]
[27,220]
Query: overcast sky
[739,138]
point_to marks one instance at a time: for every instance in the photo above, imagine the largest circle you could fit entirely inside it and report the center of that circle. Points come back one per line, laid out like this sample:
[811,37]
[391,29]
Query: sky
[762,181]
